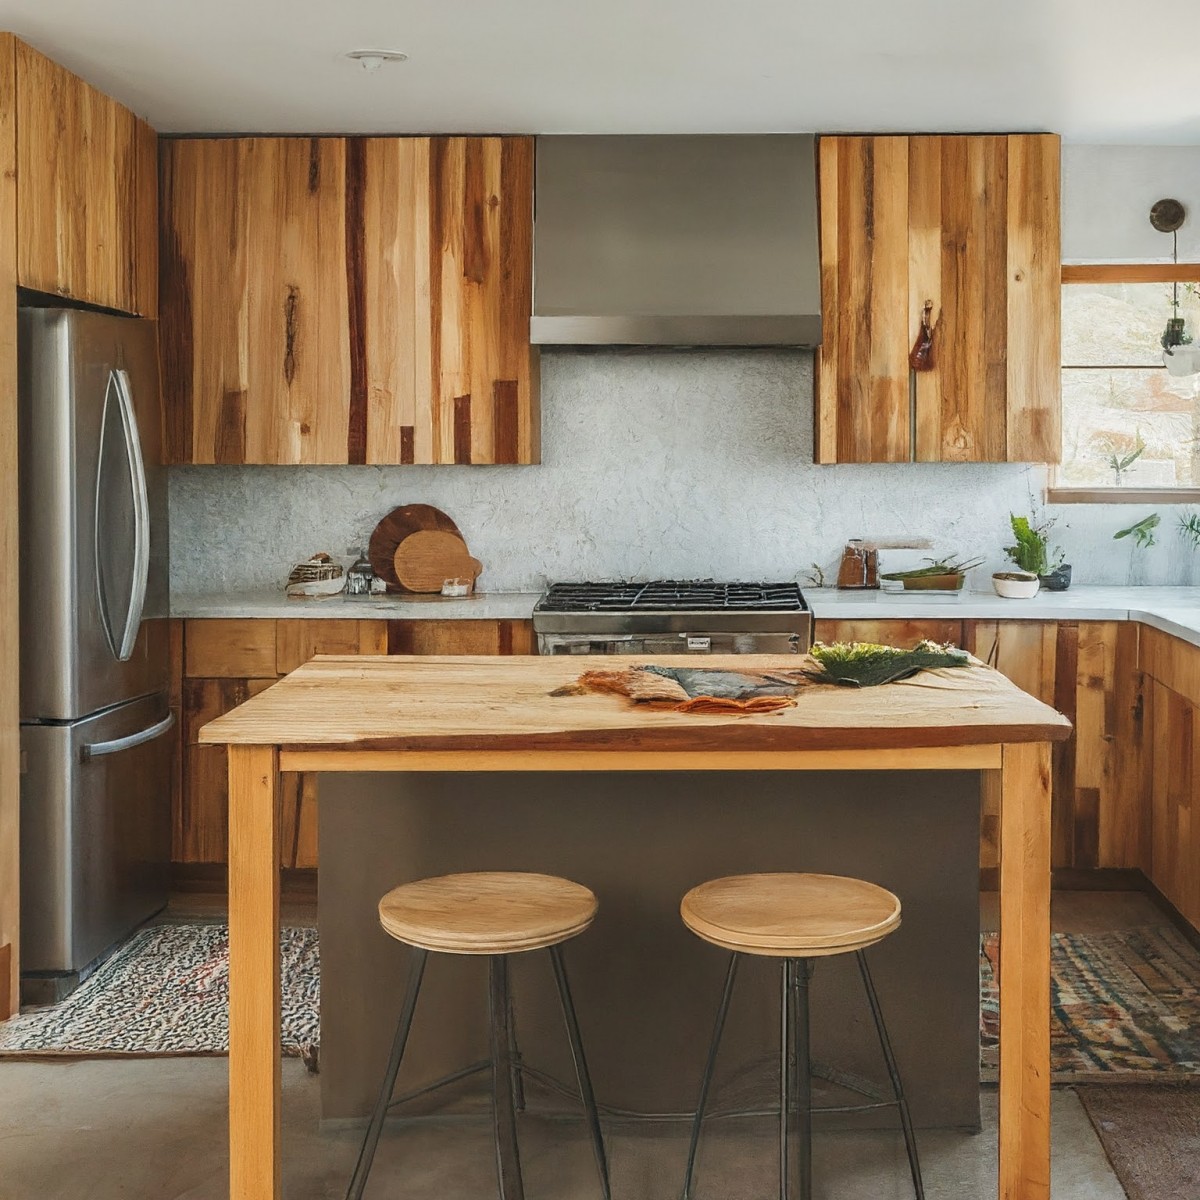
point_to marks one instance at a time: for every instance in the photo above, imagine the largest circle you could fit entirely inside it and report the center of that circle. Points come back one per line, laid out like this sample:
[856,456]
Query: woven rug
[1123,1004]
[167,992]
[1151,1134]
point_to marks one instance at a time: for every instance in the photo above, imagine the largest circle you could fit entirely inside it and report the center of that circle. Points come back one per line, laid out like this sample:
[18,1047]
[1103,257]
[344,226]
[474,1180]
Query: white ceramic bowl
[1017,589]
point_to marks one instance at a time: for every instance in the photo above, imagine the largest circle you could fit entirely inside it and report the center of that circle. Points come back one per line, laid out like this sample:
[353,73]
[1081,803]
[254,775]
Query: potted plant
[942,575]
[1058,577]
[1030,555]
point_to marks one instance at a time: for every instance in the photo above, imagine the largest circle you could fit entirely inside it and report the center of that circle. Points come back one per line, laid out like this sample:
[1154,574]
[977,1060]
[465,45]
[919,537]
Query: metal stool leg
[514,1053]
[787,1075]
[366,1155]
[910,1141]
[581,1069]
[802,1072]
[706,1079]
[504,1116]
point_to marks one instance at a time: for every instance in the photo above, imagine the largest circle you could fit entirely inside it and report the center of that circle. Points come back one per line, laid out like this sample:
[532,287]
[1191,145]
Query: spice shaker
[360,574]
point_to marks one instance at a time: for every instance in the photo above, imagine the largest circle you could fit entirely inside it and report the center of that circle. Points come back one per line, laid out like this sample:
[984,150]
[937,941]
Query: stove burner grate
[673,595]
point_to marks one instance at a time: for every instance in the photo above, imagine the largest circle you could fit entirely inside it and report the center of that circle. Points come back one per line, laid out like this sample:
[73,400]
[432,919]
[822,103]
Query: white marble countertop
[483,606]
[1175,610]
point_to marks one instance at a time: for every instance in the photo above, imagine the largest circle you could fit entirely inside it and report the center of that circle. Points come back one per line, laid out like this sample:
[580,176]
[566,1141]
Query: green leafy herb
[1141,531]
[1189,528]
[1030,552]
[864,664]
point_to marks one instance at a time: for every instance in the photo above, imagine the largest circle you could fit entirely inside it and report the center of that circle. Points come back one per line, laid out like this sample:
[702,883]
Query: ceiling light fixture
[372,60]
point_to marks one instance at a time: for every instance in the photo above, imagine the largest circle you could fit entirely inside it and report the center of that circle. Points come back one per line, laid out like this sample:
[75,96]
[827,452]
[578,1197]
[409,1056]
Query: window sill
[1123,495]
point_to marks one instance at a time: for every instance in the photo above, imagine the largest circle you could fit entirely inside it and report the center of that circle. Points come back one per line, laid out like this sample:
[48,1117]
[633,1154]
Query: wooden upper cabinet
[254,334]
[361,300]
[970,223]
[87,197]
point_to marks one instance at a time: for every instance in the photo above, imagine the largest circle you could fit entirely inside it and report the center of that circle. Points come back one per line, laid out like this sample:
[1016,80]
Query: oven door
[721,643]
[590,643]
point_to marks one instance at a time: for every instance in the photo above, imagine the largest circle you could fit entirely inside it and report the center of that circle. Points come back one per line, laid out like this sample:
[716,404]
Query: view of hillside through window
[1126,421]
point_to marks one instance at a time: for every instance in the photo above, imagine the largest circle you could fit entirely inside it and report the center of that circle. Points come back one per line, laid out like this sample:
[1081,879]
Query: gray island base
[646,989]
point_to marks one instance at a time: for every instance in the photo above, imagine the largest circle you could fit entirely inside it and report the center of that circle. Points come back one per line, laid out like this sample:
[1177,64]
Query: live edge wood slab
[488,714]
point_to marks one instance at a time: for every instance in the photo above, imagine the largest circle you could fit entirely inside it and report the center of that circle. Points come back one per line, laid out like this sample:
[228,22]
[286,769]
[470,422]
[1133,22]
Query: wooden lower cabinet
[903,633]
[221,663]
[1088,670]
[460,637]
[1171,695]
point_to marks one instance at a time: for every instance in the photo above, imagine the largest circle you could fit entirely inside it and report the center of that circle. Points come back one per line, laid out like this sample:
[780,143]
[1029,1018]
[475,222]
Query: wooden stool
[795,918]
[492,913]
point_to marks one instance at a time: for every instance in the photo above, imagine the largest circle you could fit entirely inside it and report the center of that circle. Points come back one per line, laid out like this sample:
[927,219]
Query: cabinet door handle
[920,358]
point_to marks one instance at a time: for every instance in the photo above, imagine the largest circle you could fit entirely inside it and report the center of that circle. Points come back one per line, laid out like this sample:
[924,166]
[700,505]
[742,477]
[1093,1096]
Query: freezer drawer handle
[99,749]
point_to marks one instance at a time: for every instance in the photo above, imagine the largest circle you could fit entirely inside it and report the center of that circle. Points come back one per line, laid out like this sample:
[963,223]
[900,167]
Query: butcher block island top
[492,704]
[499,714]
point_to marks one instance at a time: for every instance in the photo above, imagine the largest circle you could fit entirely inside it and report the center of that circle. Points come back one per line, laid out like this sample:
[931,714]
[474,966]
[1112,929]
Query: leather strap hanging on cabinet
[920,358]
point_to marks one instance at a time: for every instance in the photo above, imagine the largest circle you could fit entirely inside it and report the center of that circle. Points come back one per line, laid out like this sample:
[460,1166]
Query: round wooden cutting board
[424,560]
[399,524]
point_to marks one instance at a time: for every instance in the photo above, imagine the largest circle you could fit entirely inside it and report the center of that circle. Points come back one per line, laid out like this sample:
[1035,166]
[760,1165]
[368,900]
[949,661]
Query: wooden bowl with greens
[941,575]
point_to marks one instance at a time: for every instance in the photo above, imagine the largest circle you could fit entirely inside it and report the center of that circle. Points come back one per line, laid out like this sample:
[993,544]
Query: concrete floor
[154,1129]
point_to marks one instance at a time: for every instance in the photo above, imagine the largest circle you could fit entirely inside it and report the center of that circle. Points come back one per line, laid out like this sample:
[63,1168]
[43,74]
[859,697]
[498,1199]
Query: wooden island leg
[254,1059]
[1025,972]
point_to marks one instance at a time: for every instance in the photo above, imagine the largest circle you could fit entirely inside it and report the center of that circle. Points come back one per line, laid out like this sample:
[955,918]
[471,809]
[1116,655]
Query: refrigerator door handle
[99,749]
[123,647]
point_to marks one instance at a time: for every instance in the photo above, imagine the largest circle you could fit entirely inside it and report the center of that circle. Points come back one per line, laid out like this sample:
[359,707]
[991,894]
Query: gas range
[673,616]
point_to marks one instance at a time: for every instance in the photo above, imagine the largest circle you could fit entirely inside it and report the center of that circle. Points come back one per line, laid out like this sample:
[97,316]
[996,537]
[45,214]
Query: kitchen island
[374,714]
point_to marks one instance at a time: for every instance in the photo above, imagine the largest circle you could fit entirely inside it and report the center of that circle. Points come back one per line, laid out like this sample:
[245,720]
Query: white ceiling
[1094,70]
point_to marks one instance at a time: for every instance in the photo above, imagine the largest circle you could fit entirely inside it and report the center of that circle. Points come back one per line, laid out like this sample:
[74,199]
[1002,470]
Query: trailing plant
[1141,531]
[1031,552]
[865,664]
[1189,528]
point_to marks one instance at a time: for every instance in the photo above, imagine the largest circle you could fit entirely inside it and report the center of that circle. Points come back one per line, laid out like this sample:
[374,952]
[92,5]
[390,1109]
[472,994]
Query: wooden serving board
[424,560]
[399,524]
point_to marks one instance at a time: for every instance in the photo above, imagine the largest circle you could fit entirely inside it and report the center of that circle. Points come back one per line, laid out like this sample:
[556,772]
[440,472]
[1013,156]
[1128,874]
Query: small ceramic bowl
[1015,586]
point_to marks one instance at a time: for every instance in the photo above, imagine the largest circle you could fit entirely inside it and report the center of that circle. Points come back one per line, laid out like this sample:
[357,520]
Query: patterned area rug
[1124,1004]
[166,993]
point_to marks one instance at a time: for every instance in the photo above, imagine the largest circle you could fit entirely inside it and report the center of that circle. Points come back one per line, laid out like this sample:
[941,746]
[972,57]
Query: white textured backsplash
[654,464]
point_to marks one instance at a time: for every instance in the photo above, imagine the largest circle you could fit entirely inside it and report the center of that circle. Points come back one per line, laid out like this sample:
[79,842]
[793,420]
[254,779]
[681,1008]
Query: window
[1129,426]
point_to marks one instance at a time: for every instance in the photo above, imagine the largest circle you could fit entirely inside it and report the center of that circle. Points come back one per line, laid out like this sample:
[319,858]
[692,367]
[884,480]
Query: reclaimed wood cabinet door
[361,300]
[891,632]
[971,224]
[1088,671]
[87,195]
[254,333]
[224,662]
[1171,695]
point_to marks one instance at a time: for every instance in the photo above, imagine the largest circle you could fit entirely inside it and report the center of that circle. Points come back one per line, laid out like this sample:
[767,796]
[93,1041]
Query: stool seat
[487,912]
[790,915]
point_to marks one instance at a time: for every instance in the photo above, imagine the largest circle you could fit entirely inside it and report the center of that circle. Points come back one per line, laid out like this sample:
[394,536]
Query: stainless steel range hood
[676,240]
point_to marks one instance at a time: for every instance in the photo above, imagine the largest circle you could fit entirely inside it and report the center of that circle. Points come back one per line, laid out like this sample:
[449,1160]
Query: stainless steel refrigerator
[95,717]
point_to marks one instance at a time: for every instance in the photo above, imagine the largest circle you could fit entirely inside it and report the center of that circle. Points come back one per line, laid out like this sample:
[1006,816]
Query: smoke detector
[372,60]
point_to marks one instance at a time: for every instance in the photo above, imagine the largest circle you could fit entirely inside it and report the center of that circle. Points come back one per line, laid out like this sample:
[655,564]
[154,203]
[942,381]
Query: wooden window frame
[1188,272]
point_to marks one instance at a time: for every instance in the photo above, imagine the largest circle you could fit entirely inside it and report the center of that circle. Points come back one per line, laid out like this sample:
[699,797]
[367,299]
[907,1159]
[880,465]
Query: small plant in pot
[1031,556]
